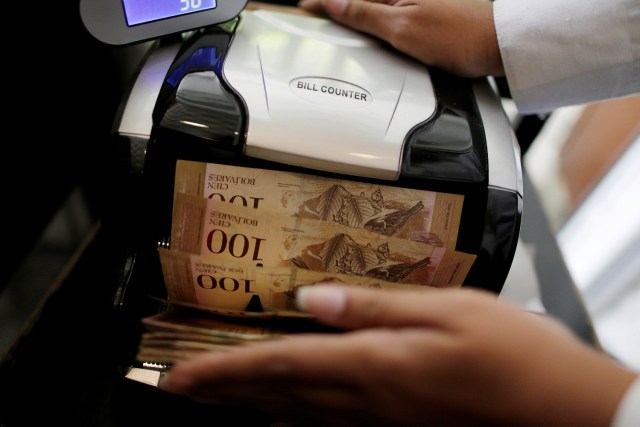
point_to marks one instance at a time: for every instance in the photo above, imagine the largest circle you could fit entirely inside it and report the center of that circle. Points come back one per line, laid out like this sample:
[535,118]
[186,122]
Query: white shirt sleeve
[568,52]
[628,413]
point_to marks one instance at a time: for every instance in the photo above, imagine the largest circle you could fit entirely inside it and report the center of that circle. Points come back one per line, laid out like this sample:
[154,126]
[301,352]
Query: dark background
[62,89]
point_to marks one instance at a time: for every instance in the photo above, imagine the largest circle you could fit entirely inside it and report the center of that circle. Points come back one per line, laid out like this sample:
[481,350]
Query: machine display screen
[142,11]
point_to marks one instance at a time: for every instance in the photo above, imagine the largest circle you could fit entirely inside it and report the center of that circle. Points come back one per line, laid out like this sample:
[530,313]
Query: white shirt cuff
[628,413]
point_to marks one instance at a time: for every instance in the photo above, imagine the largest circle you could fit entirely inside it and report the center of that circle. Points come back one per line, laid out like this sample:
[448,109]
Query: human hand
[456,35]
[443,357]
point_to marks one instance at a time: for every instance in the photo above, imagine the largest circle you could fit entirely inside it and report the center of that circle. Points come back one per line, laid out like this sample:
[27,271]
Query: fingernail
[325,302]
[336,7]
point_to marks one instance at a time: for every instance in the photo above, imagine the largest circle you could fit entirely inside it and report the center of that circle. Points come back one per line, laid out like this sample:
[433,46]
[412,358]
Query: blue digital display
[141,11]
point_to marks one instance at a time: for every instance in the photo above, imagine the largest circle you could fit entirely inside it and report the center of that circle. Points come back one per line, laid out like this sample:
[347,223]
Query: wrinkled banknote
[238,234]
[425,216]
[208,281]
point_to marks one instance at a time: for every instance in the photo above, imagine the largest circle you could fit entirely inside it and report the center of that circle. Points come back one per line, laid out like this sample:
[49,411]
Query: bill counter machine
[269,89]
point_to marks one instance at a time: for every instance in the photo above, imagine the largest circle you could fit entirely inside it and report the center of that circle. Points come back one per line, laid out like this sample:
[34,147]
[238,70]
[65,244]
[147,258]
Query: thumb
[354,307]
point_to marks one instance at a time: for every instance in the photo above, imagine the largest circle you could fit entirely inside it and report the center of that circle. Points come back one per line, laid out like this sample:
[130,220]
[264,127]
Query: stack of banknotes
[243,240]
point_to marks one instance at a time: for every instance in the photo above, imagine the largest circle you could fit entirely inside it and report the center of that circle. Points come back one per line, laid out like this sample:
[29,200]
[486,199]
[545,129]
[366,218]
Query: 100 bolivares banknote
[420,215]
[209,281]
[239,234]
